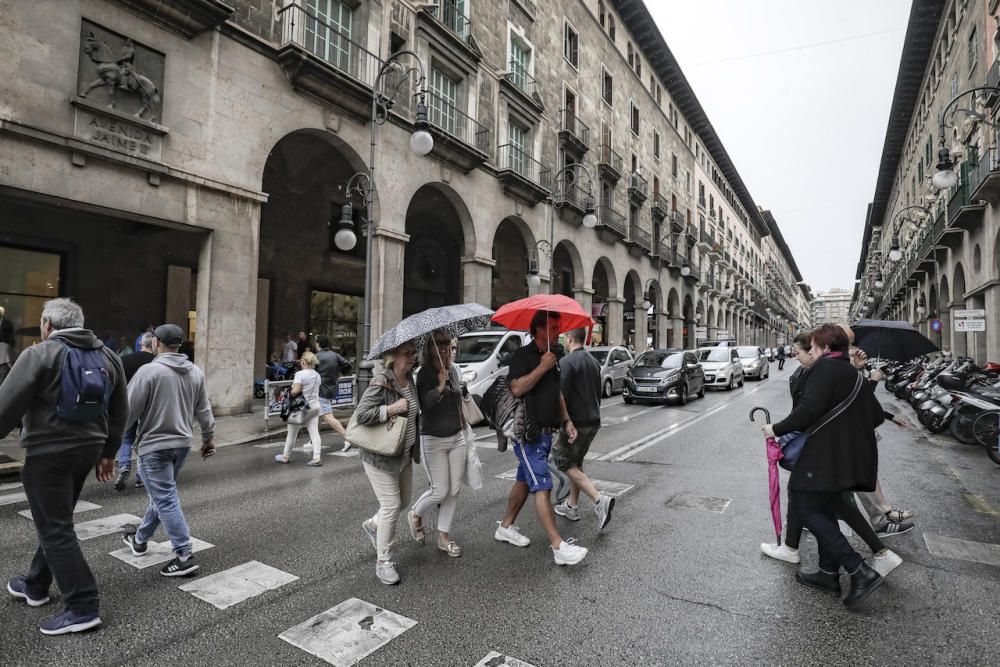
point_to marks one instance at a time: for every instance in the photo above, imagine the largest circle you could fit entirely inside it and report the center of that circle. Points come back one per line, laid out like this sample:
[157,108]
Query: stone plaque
[119,93]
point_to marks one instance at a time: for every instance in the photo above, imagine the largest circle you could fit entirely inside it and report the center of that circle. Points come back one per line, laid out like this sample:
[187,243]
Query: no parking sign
[935,324]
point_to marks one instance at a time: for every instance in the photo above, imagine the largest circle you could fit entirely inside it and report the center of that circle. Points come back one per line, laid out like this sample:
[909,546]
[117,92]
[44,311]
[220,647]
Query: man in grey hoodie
[59,454]
[165,397]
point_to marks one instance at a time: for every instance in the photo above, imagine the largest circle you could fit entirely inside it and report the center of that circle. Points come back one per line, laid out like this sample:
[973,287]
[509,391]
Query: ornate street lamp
[542,246]
[946,177]
[560,199]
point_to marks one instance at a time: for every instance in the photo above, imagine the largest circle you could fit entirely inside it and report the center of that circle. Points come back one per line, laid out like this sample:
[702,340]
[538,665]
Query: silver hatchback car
[615,362]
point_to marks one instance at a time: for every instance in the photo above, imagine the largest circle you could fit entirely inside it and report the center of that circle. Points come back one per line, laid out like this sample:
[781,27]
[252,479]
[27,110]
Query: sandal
[281,458]
[449,547]
[898,516]
[416,529]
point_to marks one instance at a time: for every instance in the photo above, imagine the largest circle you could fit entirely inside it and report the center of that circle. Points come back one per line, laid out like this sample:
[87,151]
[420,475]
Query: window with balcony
[520,63]
[656,145]
[443,101]
[517,138]
[571,45]
[608,88]
[328,31]
[634,115]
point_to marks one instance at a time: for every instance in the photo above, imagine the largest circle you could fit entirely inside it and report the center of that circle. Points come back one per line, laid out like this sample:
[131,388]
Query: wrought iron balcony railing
[516,159]
[328,42]
[519,77]
[445,115]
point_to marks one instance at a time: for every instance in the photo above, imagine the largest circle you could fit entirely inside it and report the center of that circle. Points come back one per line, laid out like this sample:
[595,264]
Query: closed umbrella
[891,340]
[773,450]
[456,320]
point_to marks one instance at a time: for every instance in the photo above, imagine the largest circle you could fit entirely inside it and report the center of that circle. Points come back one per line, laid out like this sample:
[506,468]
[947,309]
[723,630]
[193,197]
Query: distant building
[831,306]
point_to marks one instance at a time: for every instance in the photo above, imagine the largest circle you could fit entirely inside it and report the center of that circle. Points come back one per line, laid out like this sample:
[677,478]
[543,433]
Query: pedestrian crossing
[157,553]
[81,506]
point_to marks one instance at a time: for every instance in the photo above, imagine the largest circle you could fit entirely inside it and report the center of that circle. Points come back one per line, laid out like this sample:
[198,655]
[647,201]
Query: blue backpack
[84,385]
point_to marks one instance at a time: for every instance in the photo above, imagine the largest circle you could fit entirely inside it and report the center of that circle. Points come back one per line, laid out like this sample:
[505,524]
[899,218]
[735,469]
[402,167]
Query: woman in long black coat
[840,456]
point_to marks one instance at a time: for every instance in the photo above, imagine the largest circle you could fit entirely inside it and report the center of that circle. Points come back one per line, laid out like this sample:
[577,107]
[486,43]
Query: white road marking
[951,547]
[9,486]
[494,659]
[631,449]
[228,587]
[13,498]
[345,634]
[696,502]
[350,452]
[604,486]
[614,421]
[81,506]
[104,526]
[157,553]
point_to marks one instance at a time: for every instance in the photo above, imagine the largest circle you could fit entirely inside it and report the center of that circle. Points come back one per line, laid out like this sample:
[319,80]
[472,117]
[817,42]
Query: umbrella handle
[767,415]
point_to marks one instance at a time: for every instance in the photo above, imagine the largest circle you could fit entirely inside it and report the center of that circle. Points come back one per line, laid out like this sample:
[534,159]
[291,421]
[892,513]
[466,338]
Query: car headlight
[469,376]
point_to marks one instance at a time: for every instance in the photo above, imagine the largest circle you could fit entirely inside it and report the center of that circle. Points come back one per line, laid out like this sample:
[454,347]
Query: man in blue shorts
[330,366]
[534,377]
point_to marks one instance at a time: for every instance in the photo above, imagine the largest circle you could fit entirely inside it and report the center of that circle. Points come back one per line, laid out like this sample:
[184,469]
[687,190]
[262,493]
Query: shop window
[337,317]
[28,278]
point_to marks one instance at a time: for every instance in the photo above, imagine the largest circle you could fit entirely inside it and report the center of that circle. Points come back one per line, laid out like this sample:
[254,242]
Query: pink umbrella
[774,455]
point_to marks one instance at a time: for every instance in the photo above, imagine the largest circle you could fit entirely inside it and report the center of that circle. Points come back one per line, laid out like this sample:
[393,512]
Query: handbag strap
[843,405]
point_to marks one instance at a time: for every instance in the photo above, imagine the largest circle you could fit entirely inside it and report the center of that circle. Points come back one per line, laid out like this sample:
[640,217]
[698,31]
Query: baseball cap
[169,334]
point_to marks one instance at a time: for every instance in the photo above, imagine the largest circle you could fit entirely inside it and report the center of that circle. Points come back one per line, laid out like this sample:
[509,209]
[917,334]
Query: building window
[517,137]
[444,101]
[634,114]
[630,57]
[611,28]
[601,11]
[520,63]
[607,88]
[673,165]
[656,145]
[328,31]
[336,316]
[973,50]
[571,45]
[28,278]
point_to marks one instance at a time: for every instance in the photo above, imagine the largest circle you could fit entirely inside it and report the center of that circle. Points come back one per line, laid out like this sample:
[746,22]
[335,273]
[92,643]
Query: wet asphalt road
[671,580]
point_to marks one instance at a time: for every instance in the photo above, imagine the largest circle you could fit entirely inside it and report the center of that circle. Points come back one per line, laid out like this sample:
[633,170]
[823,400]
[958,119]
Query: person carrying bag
[303,410]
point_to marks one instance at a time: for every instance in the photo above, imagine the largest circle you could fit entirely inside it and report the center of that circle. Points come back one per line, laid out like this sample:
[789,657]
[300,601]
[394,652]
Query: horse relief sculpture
[120,74]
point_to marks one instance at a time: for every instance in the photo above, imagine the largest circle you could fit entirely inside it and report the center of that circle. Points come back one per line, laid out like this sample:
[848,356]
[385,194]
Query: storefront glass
[337,317]
[28,278]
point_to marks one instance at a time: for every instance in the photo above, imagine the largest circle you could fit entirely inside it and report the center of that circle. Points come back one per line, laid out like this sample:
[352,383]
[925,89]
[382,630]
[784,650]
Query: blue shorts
[324,406]
[533,463]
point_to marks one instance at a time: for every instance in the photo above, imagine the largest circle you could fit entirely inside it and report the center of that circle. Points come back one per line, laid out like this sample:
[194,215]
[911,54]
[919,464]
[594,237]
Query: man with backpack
[534,379]
[331,364]
[165,396]
[69,393]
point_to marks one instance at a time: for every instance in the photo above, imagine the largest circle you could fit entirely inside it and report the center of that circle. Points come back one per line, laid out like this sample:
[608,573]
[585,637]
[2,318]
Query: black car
[664,375]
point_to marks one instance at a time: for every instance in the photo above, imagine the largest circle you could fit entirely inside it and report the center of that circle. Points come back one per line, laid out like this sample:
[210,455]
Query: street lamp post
[946,177]
[534,280]
[362,184]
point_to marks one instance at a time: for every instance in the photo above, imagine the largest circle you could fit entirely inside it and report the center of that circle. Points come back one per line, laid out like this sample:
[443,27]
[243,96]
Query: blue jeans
[125,451]
[159,472]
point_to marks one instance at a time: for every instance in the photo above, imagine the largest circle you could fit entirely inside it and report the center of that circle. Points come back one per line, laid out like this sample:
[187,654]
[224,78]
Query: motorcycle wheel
[961,429]
[935,424]
[925,417]
[899,391]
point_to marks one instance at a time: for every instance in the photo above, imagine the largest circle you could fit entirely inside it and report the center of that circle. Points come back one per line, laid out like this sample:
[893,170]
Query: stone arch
[656,323]
[567,269]
[711,322]
[513,249]
[604,284]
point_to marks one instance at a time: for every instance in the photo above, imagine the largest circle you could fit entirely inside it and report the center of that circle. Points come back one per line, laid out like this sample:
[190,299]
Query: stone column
[640,330]
[992,304]
[387,289]
[616,312]
[662,325]
[677,325]
[477,280]
[585,297]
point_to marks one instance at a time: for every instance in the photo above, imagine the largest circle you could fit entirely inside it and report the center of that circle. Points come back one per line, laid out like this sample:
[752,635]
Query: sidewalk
[229,431]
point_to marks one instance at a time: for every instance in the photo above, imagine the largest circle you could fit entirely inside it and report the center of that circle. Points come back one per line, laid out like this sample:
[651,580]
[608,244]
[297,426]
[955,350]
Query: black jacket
[842,455]
[797,384]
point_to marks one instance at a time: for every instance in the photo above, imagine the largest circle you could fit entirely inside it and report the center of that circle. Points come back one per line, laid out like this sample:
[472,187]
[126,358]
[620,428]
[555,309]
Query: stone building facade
[832,306]
[930,255]
[187,161]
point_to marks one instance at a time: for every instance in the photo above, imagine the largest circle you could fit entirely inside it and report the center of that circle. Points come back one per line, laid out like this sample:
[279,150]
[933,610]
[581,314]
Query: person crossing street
[132,363]
[165,397]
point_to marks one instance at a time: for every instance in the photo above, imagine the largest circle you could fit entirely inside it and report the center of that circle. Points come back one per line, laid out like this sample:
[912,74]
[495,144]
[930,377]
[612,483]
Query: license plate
[647,390]
[710,378]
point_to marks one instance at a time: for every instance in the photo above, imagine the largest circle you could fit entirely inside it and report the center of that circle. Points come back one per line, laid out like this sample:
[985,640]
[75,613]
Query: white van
[483,356]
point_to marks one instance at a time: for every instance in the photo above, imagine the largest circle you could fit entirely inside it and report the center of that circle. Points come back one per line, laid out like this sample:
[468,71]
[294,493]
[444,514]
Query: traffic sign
[970,325]
[936,324]
[976,312]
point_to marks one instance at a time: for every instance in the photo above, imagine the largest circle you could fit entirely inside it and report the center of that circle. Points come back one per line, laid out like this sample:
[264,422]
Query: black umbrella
[891,340]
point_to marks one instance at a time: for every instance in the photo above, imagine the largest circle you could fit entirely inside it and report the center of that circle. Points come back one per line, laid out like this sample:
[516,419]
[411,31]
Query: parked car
[483,356]
[722,367]
[615,362]
[755,362]
[664,375]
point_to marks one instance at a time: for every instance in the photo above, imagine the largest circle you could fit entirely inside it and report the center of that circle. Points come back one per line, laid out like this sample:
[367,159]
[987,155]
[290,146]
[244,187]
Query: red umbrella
[517,315]
[774,455]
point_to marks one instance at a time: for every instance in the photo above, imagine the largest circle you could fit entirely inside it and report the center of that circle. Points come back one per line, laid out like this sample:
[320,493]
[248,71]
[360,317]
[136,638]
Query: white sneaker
[781,552]
[386,573]
[602,508]
[564,509]
[510,534]
[886,561]
[347,446]
[568,553]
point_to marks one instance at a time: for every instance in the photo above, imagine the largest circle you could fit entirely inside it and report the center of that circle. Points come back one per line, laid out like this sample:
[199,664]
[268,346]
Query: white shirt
[310,381]
[291,349]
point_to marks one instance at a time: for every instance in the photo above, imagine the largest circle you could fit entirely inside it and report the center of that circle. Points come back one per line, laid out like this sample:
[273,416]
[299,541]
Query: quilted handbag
[384,439]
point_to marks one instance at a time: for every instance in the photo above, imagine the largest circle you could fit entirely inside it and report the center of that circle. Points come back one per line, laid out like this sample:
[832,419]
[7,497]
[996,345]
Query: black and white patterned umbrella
[456,320]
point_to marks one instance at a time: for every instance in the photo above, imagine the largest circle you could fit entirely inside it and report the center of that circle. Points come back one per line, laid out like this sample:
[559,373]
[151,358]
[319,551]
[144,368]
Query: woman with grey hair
[442,439]
[391,394]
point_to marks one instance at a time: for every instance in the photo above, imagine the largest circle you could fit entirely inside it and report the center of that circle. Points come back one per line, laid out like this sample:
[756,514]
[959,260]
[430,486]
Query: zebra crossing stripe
[13,498]
[108,525]
[345,634]
[157,553]
[228,587]
[494,659]
[81,506]
[9,486]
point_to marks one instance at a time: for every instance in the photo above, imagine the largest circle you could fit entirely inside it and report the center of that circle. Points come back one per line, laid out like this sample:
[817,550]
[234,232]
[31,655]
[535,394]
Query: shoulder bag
[793,443]
[385,439]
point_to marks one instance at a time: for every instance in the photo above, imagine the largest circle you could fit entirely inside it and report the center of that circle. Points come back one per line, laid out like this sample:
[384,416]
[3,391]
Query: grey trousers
[875,504]
[393,493]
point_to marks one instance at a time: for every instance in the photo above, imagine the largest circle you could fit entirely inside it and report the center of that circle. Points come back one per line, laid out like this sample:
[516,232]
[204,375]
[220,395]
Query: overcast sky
[804,126]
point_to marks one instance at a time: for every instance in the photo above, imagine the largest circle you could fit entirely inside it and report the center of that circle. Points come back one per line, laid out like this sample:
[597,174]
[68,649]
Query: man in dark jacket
[132,363]
[839,456]
[59,453]
[580,379]
[329,368]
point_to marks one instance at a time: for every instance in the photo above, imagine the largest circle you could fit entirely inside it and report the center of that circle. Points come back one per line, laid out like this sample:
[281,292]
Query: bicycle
[986,430]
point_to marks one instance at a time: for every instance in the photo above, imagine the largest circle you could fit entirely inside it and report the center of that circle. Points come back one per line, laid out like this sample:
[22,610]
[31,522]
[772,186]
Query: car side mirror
[504,358]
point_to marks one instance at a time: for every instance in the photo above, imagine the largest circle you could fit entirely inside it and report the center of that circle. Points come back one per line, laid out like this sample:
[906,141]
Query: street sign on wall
[935,324]
[970,325]
[976,312]
[701,332]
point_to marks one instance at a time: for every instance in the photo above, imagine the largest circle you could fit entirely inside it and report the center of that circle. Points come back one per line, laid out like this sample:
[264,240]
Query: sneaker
[386,573]
[898,515]
[68,621]
[138,548]
[368,525]
[347,446]
[781,552]
[18,587]
[138,482]
[179,568]
[568,553]
[893,528]
[564,509]
[510,534]
[121,480]
[886,561]
[602,508]
[314,463]
[281,458]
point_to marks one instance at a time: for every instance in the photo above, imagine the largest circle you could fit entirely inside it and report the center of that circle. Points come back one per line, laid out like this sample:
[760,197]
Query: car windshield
[747,352]
[715,354]
[661,359]
[600,355]
[473,349]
